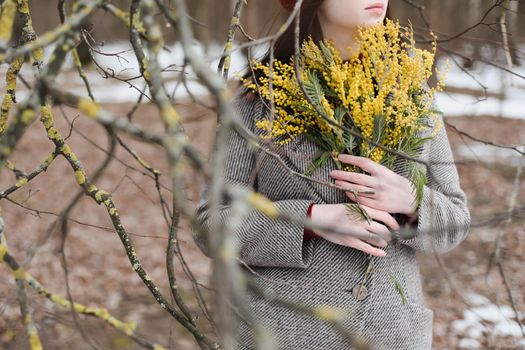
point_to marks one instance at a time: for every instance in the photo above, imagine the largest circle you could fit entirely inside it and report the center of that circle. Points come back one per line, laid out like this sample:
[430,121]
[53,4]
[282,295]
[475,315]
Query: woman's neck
[342,38]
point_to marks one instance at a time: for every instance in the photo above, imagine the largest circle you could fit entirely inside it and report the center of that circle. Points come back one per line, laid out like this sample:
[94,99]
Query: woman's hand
[336,215]
[392,192]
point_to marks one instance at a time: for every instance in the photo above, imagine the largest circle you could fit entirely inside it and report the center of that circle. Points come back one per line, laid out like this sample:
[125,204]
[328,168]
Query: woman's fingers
[379,242]
[367,248]
[383,216]
[366,164]
[381,230]
[357,178]
[357,243]
[353,187]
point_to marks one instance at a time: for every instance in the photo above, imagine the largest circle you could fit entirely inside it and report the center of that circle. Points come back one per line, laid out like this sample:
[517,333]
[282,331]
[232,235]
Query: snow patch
[485,318]
[505,100]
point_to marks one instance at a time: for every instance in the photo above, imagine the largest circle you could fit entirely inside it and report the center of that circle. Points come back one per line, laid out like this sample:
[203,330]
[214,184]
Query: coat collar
[298,154]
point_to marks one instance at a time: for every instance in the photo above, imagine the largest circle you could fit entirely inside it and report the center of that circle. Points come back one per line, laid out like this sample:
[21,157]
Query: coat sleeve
[443,219]
[262,241]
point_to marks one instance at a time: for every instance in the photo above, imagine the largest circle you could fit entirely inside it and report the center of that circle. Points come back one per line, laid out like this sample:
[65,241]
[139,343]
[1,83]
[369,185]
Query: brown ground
[100,274]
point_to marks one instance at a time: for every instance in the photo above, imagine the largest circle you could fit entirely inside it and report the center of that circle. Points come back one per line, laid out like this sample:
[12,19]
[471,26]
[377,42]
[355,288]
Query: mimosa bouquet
[381,93]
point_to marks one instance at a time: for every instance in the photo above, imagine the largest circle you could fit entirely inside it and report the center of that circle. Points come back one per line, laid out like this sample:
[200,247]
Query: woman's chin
[373,18]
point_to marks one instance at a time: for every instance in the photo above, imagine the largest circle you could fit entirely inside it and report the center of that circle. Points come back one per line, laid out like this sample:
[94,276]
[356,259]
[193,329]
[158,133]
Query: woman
[318,268]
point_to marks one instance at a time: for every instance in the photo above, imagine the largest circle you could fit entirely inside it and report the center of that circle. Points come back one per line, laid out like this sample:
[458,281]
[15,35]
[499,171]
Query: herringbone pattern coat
[318,272]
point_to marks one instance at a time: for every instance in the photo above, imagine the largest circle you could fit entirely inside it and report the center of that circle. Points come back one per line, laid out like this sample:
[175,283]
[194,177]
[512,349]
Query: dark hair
[284,45]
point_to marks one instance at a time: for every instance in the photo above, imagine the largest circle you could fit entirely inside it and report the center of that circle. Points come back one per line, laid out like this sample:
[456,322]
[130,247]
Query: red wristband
[308,232]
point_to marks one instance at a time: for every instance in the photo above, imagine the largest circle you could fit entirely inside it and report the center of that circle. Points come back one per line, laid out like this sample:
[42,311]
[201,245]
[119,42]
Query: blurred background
[477,304]
[469,35]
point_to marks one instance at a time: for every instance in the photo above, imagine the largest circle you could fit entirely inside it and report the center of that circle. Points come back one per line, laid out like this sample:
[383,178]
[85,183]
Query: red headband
[288,4]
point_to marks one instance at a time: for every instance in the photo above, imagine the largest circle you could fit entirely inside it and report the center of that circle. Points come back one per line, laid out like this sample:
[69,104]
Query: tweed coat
[318,272]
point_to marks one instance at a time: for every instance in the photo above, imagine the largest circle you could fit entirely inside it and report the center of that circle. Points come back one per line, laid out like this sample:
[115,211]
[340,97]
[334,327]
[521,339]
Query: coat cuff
[308,232]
